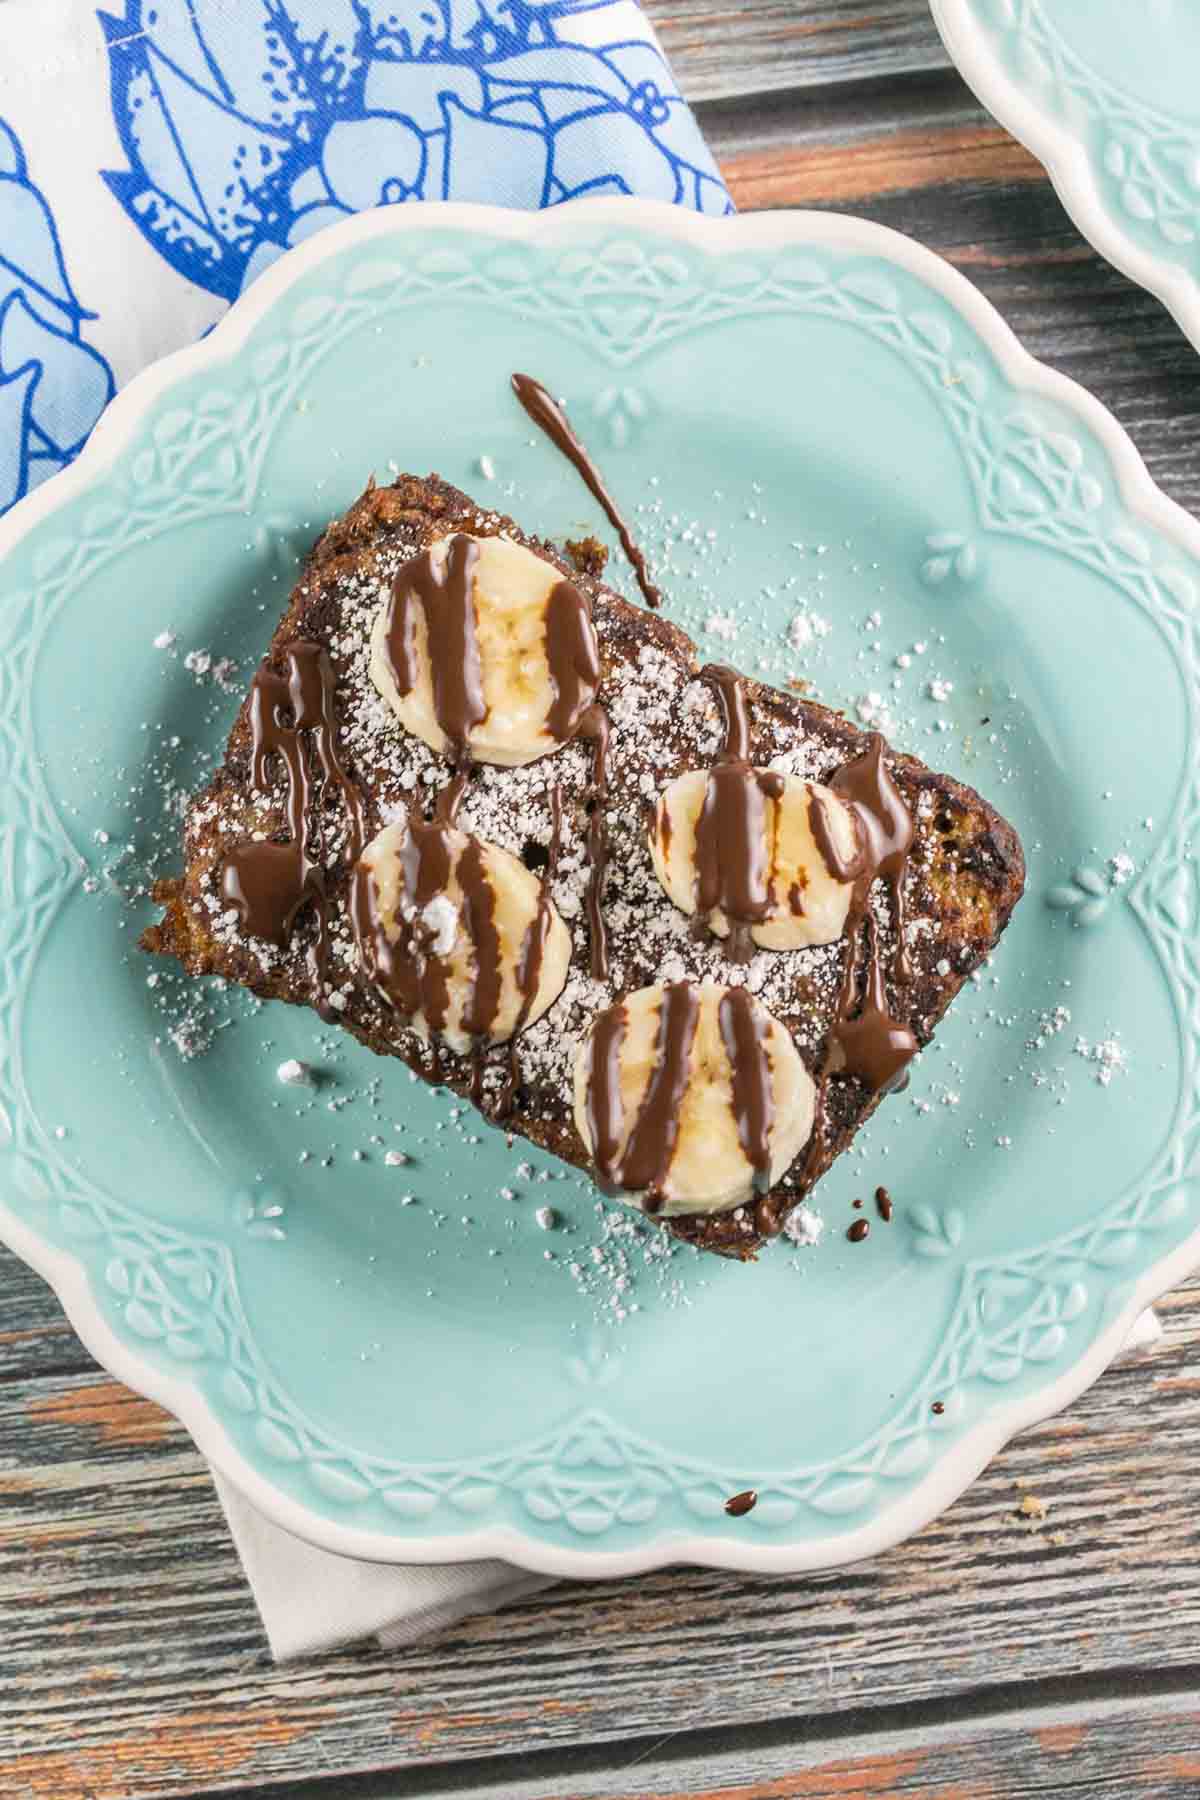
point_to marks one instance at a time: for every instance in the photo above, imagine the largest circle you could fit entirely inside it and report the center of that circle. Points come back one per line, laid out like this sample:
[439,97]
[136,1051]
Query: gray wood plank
[1133,1750]
[131,1653]
[35,1338]
[718,47]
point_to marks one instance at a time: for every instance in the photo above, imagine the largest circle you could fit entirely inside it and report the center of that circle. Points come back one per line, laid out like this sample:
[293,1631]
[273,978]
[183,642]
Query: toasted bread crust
[966,871]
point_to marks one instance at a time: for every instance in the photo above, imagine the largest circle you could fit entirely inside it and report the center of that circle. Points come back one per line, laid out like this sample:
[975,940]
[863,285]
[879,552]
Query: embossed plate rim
[1066,161]
[959,1463]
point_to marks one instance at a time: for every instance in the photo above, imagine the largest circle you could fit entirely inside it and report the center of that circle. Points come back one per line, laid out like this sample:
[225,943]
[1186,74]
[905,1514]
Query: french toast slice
[961,880]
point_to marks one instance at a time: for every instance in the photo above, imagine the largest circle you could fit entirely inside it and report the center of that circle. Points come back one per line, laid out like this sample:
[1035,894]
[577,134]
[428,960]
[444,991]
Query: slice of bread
[964,875]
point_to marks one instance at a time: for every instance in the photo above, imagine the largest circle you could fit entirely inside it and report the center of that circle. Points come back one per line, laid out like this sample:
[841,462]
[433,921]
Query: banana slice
[691,1098]
[485,650]
[456,934]
[803,901]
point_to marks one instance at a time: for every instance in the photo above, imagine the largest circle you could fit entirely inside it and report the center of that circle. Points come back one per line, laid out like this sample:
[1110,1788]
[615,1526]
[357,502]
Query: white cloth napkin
[312,1601]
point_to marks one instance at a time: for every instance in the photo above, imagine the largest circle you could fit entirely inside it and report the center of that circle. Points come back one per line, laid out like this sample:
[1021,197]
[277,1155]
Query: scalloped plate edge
[1066,162]
[763,231]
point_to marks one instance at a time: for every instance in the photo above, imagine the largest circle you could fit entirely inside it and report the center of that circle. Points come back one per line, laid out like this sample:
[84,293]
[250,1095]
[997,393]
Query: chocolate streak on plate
[860,1230]
[733,861]
[739,1504]
[642,1167]
[549,416]
[268,883]
[444,594]
[884,1206]
[744,1034]
[533,952]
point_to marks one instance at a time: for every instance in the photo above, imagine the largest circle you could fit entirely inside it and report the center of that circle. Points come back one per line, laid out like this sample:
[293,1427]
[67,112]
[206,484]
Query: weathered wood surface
[133,1662]
[738,47]
[992,1658]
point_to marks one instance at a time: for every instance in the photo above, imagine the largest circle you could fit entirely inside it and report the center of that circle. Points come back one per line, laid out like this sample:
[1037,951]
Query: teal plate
[846,470]
[1105,92]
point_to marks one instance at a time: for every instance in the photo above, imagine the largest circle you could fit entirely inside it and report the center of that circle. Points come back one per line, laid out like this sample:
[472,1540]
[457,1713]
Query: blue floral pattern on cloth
[53,385]
[249,126]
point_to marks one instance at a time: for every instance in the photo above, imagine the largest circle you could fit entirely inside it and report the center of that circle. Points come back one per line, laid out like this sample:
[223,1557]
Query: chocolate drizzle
[574,659]
[443,590]
[870,1043]
[415,979]
[641,1168]
[594,726]
[868,789]
[549,416]
[744,1034]
[533,952]
[407,971]
[840,869]
[738,1505]
[735,830]
[444,595]
[479,905]
[605,1114]
[268,883]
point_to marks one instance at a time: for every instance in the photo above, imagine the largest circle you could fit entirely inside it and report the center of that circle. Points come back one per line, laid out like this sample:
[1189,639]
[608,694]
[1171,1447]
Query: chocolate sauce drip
[867,788]
[730,689]
[734,830]
[450,798]
[594,726]
[860,1229]
[414,979]
[605,1113]
[744,1035]
[643,1164]
[739,1504]
[827,848]
[574,659]
[269,883]
[874,1046]
[479,905]
[444,592]
[884,1205]
[533,953]
[871,1043]
[549,416]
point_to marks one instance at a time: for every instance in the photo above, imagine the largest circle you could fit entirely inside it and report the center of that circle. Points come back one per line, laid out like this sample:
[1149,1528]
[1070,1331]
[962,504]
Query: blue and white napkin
[158,155]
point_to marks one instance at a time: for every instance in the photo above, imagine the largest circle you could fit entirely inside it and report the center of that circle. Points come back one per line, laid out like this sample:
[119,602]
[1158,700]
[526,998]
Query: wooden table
[995,1655]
